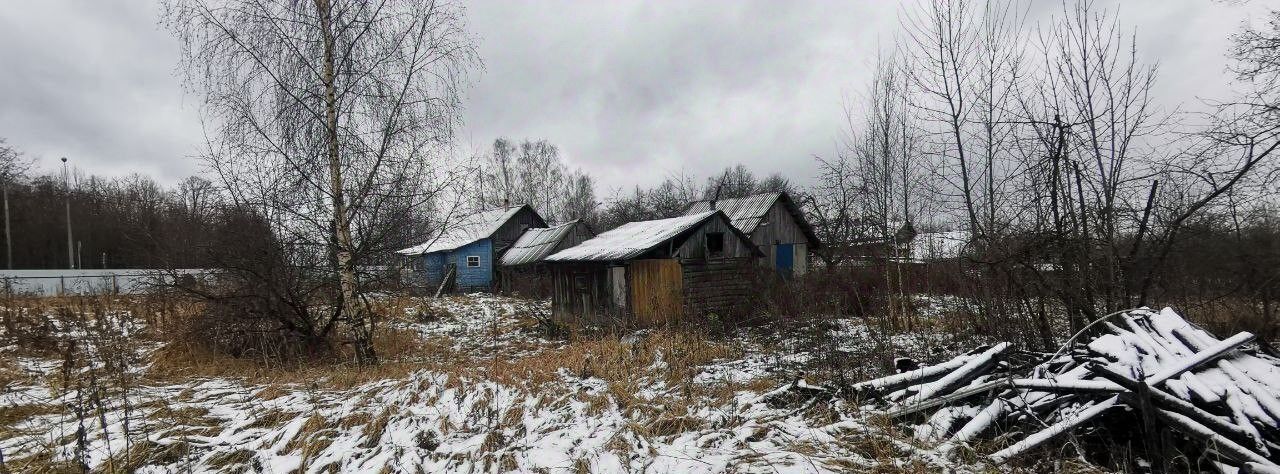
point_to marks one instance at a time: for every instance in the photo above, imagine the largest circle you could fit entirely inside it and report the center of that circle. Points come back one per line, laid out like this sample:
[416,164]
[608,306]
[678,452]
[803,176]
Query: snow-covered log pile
[1168,387]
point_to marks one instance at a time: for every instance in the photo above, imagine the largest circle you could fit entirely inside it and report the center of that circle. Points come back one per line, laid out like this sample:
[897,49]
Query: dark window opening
[715,243]
[580,282]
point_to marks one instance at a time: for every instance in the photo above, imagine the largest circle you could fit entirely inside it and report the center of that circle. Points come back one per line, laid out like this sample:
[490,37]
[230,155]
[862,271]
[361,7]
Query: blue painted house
[464,255]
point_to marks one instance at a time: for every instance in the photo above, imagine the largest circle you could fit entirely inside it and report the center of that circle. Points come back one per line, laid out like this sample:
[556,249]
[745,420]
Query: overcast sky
[629,91]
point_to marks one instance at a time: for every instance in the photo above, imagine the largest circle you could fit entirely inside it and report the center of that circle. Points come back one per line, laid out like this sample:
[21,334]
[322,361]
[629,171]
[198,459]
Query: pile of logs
[1175,388]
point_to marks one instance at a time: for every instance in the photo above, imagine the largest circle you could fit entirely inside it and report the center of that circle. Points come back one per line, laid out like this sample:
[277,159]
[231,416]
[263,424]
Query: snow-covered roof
[939,245]
[465,230]
[535,244]
[748,212]
[630,240]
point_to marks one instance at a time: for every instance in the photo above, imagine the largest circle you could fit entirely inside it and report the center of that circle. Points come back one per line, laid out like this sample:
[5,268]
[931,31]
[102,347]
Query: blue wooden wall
[433,267]
[477,278]
[468,278]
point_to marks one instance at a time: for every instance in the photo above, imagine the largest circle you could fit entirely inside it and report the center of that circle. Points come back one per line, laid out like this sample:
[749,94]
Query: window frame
[707,239]
[477,260]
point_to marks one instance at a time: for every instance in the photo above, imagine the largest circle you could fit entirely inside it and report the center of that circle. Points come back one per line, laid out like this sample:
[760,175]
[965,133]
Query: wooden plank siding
[780,227]
[656,291]
[581,294]
[668,284]
[579,233]
[694,246]
[516,225]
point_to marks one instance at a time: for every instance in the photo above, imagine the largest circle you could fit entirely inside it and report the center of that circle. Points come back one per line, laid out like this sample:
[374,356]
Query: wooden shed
[521,269]
[655,272]
[775,224]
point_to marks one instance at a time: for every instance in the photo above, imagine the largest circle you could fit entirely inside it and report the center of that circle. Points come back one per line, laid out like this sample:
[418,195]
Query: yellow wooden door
[656,291]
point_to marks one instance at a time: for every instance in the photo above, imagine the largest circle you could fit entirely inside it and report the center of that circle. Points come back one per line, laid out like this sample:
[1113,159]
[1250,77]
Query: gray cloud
[94,81]
[631,91]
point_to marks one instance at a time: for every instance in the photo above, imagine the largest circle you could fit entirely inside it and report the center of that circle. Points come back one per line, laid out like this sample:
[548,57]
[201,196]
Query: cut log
[1213,440]
[1255,468]
[1063,426]
[1067,386]
[1213,352]
[960,394]
[975,426]
[897,381]
[1175,375]
[965,372]
[1169,402]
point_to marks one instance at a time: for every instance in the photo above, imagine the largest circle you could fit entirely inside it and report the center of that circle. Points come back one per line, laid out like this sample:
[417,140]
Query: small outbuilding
[464,254]
[521,268]
[775,224]
[654,272]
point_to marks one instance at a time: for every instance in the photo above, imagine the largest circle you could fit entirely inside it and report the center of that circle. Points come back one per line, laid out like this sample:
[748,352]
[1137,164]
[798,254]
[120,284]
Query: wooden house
[520,268]
[654,272]
[464,254]
[775,224]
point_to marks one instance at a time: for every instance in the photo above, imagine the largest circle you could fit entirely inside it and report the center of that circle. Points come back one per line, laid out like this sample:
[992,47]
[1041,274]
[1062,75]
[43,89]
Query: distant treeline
[129,222]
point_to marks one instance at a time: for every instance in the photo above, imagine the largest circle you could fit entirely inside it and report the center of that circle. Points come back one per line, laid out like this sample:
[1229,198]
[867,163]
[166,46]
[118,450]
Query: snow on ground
[436,419]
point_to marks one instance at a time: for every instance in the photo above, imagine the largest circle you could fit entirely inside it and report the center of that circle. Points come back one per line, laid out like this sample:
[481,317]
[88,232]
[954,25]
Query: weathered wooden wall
[716,286]
[511,230]
[579,233]
[695,246]
[580,294]
[778,227]
[656,291]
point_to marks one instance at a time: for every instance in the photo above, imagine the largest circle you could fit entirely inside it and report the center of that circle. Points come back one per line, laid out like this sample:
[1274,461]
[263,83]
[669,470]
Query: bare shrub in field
[823,293]
[262,303]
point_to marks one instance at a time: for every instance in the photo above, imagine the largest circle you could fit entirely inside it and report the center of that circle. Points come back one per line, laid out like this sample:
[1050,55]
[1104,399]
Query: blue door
[784,256]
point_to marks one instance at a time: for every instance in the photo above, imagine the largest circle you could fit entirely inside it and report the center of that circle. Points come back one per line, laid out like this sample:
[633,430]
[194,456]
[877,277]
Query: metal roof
[630,240]
[746,213]
[465,230]
[536,243]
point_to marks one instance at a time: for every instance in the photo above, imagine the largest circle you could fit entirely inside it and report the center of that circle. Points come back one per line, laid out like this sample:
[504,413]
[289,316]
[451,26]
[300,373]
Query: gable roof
[466,230]
[634,239]
[748,212]
[535,244]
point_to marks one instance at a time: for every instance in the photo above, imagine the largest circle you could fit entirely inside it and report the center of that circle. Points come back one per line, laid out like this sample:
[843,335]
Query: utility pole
[66,187]
[8,234]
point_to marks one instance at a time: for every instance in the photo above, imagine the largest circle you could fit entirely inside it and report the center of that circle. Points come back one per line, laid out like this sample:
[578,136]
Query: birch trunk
[348,299]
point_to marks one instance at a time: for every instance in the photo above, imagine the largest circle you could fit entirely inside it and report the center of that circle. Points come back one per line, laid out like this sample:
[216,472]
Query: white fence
[82,282]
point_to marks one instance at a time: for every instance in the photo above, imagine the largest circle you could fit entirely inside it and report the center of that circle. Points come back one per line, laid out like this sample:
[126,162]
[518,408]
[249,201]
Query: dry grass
[612,359]
[1231,315]
[401,350]
[270,419]
[11,415]
[376,426]
[669,358]
[12,375]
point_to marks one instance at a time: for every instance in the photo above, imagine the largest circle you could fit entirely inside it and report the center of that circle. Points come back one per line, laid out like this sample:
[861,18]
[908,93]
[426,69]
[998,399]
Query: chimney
[506,202]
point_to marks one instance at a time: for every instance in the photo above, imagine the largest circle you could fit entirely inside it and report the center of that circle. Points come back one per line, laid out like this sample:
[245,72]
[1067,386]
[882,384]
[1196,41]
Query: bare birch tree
[324,113]
[533,172]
